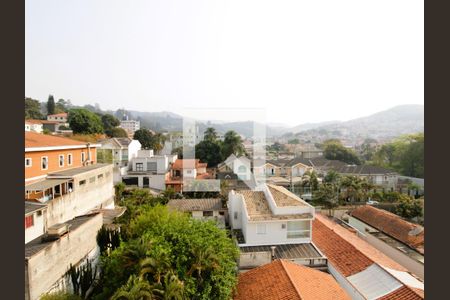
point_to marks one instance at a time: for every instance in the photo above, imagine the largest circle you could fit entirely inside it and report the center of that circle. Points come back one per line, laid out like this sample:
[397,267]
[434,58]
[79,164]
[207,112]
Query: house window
[208,213]
[83,156]
[29,221]
[28,162]
[242,169]
[82,182]
[100,176]
[297,229]
[69,159]
[44,162]
[61,160]
[139,167]
[261,228]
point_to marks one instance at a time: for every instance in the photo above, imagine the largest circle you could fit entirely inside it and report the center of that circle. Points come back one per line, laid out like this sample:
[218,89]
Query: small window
[61,160]
[283,226]
[28,162]
[139,167]
[39,213]
[69,159]
[261,228]
[82,182]
[29,221]
[235,215]
[221,213]
[83,157]
[92,179]
[100,176]
[208,213]
[44,163]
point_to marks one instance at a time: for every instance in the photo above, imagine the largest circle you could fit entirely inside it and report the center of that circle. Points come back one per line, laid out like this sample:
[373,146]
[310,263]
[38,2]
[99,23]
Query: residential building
[34,125]
[270,222]
[363,271]
[241,166]
[35,220]
[399,239]
[203,209]
[304,151]
[46,153]
[119,152]
[282,279]
[130,126]
[149,170]
[183,171]
[60,118]
[48,258]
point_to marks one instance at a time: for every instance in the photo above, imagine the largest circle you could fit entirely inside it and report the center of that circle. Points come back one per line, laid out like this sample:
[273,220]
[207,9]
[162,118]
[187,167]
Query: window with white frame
[261,228]
[297,229]
[61,160]
[69,159]
[139,167]
[28,162]
[44,162]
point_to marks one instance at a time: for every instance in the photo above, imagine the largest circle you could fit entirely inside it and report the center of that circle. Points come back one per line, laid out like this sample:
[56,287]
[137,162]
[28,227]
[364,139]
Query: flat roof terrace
[77,171]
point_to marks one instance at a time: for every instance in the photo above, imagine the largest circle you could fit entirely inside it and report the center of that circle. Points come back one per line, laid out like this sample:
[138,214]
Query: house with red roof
[183,171]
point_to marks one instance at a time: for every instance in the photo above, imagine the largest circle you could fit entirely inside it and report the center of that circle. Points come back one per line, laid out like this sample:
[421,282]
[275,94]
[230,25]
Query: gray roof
[287,251]
[44,184]
[363,170]
[124,142]
[36,245]
[196,204]
[76,171]
[32,207]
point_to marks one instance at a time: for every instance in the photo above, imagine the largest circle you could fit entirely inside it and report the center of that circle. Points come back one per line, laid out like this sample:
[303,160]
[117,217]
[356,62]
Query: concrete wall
[254,259]
[46,267]
[84,198]
[275,234]
[38,228]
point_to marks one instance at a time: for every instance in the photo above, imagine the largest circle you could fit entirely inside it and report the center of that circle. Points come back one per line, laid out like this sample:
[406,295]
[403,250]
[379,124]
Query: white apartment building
[130,126]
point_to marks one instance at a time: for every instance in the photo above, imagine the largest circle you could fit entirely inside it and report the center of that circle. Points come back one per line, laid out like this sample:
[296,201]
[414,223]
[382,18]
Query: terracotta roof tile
[185,163]
[58,115]
[283,279]
[403,293]
[33,140]
[283,197]
[392,225]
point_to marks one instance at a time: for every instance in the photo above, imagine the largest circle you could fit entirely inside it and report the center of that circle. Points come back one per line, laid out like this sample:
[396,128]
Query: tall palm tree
[232,144]
[204,259]
[210,134]
[353,187]
[173,288]
[155,267]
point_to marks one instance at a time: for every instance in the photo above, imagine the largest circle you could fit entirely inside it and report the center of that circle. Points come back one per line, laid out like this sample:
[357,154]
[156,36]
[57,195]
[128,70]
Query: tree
[409,208]
[310,179]
[32,109]
[109,122]
[232,144]
[327,195]
[210,135]
[334,150]
[82,278]
[50,105]
[332,177]
[149,140]
[209,151]
[136,288]
[60,296]
[116,132]
[62,106]
[352,186]
[84,122]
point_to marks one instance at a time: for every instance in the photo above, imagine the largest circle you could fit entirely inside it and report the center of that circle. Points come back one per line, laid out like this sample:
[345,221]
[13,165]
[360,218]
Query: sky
[299,61]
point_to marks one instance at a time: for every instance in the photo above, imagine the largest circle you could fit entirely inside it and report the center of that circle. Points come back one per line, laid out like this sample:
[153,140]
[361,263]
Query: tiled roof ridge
[283,262]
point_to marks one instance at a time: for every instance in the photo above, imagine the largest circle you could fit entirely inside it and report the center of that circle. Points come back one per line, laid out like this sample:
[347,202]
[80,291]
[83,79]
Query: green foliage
[405,155]
[294,141]
[327,195]
[277,147]
[232,144]
[409,208]
[210,135]
[149,140]
[104,156]
[332,177]
[60,296]
[62,106]
[82,278]
[178,257]
[119,189]
[334,150]
[107,239]
[116,132]
[46,131]
[209,151]
[109,121]
[33,109]
[83,121]
[310,179]
[50,105]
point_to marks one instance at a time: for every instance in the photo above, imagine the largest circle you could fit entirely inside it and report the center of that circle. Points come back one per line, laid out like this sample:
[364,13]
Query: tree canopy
[33,109]
[109,121]
[149,140]
[334,150]
[116,132]
[50,105]
[232,144]
[84,122]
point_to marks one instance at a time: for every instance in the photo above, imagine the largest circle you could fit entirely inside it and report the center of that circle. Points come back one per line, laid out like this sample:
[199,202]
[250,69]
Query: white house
[35,220]
[60,118]
[241,166]
[130,126]
[34,125]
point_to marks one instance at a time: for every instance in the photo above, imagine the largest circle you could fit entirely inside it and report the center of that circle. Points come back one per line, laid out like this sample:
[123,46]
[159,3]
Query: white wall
[133,149]
[192,174]
[344,283]
[275,234]
[38,228]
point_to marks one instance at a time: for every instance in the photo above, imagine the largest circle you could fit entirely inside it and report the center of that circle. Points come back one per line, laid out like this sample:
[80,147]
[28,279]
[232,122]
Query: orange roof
[37,140]
[58,115]
[408,233]
[33,121]
[283,279]
[186,163]
[404,293]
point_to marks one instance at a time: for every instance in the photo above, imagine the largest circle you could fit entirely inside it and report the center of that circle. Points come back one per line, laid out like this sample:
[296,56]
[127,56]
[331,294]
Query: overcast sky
[301,61]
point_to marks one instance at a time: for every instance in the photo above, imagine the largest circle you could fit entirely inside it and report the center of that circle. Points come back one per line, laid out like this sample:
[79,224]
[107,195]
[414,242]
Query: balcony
[48,189]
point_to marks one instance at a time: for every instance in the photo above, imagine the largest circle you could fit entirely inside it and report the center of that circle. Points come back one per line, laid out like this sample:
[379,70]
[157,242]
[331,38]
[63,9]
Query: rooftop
[406,232]
[33,206]
[196,204]
[77,171]
[38,140]
[37,245]
[286,280]
[258,207]
[287,251]
[58,115]
[188,164]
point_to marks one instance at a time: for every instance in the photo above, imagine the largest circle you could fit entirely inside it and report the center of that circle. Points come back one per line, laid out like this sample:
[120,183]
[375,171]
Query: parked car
[372,202]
